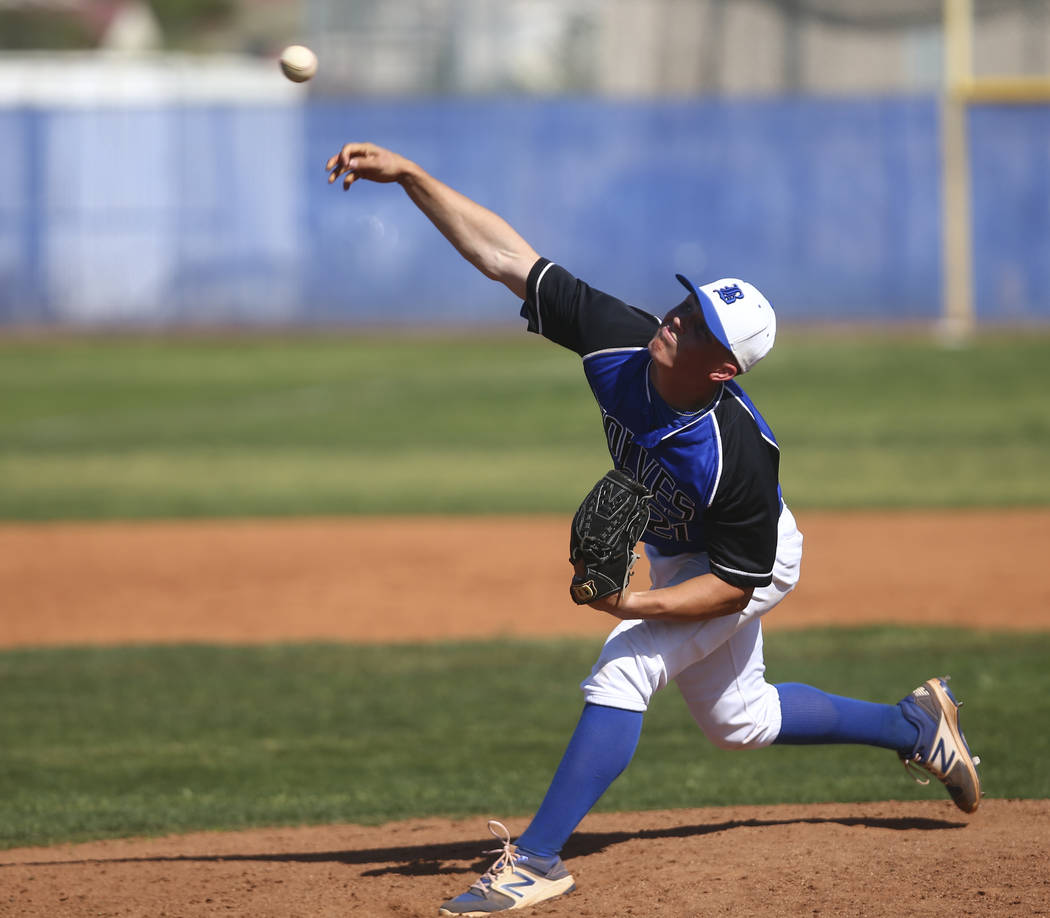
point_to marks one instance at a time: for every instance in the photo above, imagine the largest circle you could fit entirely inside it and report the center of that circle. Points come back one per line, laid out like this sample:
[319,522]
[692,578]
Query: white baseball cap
[738,316]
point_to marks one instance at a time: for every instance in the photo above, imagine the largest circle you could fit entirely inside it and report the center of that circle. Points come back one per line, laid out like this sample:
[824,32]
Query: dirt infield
[349,580]
[874,859]
[432,578]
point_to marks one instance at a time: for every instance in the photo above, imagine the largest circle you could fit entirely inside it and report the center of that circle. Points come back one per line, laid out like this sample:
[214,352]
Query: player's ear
[724,372]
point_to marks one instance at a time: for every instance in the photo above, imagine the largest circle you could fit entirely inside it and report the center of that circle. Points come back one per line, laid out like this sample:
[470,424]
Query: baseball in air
[298,63]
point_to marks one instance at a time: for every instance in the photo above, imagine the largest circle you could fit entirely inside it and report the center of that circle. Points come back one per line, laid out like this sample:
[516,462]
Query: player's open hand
[365,161]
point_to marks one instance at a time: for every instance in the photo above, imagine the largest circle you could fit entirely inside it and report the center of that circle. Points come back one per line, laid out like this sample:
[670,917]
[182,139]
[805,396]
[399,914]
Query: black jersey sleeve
[564,309]
[740,526]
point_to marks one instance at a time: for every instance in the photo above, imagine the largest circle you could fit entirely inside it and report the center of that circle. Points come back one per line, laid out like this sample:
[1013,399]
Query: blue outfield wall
[222,214]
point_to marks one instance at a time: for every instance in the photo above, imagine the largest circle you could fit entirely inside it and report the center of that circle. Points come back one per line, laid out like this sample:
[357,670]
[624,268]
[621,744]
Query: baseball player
[722,544]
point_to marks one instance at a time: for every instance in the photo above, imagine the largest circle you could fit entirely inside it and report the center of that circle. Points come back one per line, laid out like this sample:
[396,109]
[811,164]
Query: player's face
[684,343]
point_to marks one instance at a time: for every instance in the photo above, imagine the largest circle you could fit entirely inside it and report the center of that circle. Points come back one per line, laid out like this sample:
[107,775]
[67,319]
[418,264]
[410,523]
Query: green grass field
[122,741]
[97,428]
[109,742]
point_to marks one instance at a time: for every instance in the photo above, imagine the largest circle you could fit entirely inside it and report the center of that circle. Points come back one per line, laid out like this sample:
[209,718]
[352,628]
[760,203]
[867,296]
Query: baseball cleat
[512,882]
[941,748]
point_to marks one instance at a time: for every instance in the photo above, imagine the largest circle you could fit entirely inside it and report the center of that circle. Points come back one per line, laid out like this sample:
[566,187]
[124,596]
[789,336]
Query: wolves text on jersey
[672,509]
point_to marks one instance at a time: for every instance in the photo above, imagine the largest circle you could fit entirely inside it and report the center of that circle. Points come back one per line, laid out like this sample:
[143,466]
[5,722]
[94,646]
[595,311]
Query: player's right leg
[941,748]
[923,729]
[736,708]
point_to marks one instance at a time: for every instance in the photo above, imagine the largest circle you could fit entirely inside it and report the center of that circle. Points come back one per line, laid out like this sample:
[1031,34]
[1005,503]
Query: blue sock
[600,749]
[810,716]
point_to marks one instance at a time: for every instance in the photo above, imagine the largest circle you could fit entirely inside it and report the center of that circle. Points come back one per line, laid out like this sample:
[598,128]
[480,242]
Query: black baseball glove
[605,530]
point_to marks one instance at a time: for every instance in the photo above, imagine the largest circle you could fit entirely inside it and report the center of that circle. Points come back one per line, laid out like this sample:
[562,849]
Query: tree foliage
[181,21]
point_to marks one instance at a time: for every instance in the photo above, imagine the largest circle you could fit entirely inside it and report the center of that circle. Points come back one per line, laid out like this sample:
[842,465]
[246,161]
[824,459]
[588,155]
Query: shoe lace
[915,767]
[506,852]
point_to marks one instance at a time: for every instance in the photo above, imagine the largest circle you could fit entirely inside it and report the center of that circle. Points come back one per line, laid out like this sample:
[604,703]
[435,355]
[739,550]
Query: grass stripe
[345,423]
[99,742]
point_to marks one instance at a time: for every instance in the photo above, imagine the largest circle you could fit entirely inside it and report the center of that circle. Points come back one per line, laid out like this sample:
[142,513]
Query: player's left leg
[516,880]
[531,870]
[637,660]
[601,747]
[630,669]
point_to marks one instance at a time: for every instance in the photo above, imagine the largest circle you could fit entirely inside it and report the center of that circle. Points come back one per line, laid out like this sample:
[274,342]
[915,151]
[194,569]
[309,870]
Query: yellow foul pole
[958,319]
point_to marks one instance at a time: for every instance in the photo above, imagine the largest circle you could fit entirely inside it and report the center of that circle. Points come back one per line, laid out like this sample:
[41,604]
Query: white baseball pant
[717,664]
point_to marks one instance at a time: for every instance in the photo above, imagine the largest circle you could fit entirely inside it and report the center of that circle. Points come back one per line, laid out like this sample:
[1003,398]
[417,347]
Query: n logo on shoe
[526,881]
[943,749]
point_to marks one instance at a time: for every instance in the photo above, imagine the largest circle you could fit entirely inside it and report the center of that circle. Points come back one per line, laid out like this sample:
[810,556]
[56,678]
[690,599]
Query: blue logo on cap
[730,293]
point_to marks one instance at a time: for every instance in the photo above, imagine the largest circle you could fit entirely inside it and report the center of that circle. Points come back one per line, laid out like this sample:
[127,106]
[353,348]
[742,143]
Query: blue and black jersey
[714,472]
